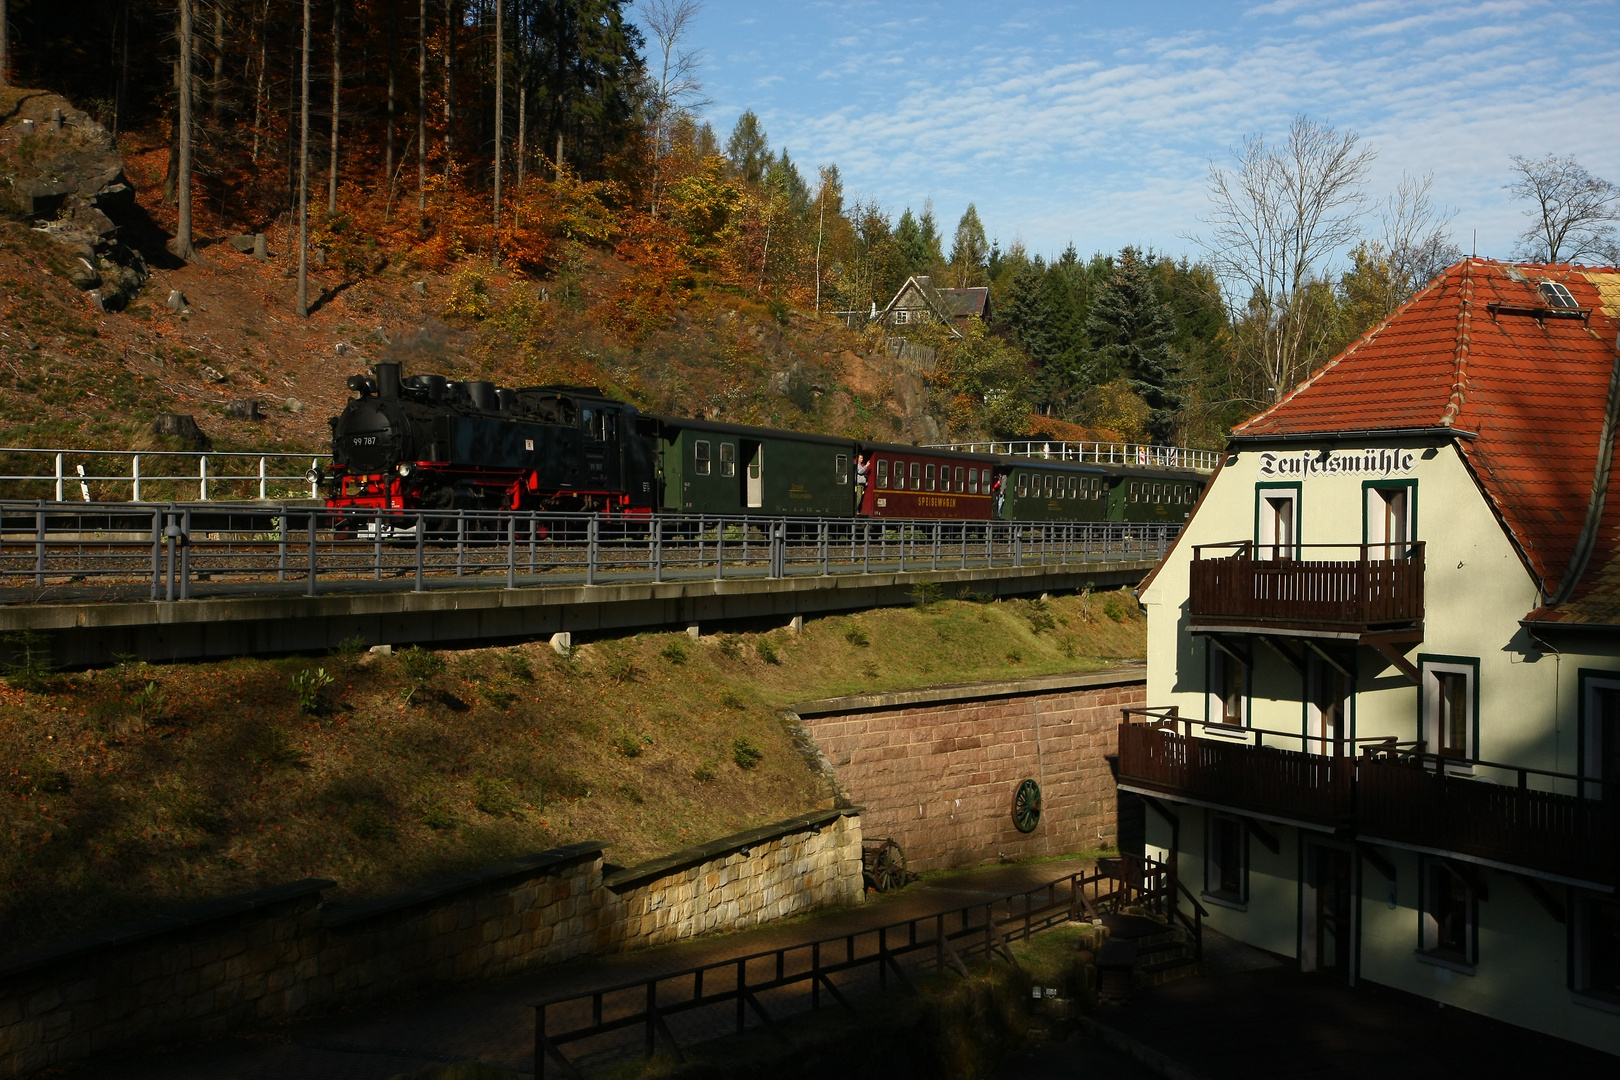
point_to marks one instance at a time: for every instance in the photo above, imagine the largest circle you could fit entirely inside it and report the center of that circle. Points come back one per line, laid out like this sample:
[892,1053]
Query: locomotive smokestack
[483,395]
[387,379]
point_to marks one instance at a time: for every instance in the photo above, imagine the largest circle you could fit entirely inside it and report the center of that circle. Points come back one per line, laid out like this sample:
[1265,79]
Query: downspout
[1600,490]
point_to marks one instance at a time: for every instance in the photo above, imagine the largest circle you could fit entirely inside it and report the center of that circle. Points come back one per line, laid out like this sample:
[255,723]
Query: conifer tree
[1131,330]
[970,250]
[748,150]
[181,244]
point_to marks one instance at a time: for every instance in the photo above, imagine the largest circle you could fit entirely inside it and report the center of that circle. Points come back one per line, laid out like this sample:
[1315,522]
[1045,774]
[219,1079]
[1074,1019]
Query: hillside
[75,375]
[135,789]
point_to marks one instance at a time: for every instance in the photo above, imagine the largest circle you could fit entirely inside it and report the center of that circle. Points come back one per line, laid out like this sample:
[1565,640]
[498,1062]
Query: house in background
[1384,660]
[919,302]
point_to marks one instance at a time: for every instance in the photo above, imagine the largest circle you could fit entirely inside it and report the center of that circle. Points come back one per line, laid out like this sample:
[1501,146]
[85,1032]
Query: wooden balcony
[1372,588]
[1515,818]
[1235,770]
[1520,821]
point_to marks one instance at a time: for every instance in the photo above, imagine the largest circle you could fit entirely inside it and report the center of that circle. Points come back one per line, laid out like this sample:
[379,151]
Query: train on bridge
[427,442]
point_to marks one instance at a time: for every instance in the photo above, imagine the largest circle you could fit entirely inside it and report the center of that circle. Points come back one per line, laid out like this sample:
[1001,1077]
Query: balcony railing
[1550,822]
[1378,586]
[1233,766]
[1425,801]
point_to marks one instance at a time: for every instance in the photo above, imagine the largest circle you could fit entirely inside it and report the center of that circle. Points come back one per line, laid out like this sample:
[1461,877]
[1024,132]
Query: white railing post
[261,480]
[135,475]
[202,477]
[58,477]
[314,488]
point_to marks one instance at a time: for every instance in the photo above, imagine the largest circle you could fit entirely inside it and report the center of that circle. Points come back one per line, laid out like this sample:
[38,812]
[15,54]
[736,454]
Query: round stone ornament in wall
[1026,806]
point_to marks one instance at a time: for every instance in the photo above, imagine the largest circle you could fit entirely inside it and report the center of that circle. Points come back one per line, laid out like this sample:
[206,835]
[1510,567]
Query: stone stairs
[1141,952]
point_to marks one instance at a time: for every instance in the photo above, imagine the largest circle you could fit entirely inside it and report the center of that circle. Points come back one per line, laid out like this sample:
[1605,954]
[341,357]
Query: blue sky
[1096,122]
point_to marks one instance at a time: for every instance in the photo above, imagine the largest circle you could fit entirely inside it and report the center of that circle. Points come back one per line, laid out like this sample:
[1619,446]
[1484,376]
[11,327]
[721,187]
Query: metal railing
[152,475]
[798,976]
[68,551]
[1095,453]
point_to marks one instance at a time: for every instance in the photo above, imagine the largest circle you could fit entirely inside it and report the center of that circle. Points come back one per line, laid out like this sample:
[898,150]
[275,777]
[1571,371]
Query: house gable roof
[1484,350]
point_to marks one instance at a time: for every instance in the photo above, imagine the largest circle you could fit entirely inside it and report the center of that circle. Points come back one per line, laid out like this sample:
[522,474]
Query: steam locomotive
[425,442]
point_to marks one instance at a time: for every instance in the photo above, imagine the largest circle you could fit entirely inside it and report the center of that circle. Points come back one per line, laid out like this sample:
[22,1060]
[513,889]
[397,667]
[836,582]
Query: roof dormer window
[1557,295]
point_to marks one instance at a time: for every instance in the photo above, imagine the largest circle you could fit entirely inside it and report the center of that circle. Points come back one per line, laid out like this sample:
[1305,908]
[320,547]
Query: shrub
[729,646]
[420,665]
[926,594]
[1015,657]
[1040,617]
[351,646]
[675,651]
[496,694]
[439,818]
[1114,607]
[308,684]
[494,797]
[369,821]
[149,702]
[731,700]
[767,651]
[629,743]
[517,666]
[620,666]
[857,636]
[31,666]
[704,773]
[745,753]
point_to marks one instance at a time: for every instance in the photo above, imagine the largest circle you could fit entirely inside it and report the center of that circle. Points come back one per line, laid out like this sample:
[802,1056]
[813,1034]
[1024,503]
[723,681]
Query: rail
[150,475]
[1095,453]
[739,984]
[65,551]
[1381,585]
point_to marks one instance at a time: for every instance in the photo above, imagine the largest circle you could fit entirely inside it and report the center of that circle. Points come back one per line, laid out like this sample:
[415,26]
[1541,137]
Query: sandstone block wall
[278,953]
[937,770]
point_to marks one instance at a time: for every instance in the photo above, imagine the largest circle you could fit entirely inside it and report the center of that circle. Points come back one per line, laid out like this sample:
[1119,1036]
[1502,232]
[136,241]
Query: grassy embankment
[136,788]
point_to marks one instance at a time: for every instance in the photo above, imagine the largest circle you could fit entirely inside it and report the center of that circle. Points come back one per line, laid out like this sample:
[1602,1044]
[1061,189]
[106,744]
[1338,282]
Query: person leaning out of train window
[999,491]
[860,478]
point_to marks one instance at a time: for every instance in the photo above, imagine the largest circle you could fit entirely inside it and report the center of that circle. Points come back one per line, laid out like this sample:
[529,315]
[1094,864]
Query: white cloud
[1103,133]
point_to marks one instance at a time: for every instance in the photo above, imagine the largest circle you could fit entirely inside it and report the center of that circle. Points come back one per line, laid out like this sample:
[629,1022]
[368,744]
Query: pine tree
[1131,330]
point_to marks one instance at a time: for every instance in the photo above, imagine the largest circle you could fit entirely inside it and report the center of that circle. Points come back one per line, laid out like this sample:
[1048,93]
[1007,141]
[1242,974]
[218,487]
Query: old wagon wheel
[1026,806]
[885,865]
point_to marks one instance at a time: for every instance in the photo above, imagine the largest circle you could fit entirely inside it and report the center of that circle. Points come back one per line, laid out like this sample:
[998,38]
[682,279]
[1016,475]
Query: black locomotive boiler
[429,442]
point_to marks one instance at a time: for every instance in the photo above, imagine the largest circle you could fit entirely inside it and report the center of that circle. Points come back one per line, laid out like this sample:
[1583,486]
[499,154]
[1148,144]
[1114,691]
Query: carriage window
[1023,485]
[728,459]
[1063,487]
[944,478]
[1157,491]
[959,486]
[700,455]
[1134,490]
[916,476]
[900,475]
[973,481]
[883,473]
[930,472]
[841,468]
[1046,482]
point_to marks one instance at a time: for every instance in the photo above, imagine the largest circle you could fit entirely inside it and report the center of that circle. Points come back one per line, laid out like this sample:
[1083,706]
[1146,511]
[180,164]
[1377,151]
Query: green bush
[675,651]
[704,773]
[745,753]
[926,594]
[629,743]
[351,646]
[767,651]
[31,667]
[308,684]
[857,636]
[494,797]
[517,666]
[420,665]
[1114,607]
[149,702]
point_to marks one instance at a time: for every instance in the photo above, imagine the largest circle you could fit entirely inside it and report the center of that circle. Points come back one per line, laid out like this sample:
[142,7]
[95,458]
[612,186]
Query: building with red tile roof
[1384,657]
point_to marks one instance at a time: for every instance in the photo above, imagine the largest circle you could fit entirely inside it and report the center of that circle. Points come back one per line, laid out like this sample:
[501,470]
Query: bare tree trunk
[559,158]
[5,46]
[123,70]
[217,91]
[500,100]
[303,179]
[259,102]
[393,63]
[421,107]
[181,244]
[171,176]
[337,97]
[449,87]
[523,130]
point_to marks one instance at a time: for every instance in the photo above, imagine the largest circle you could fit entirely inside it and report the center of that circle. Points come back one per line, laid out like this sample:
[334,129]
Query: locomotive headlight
[405,468]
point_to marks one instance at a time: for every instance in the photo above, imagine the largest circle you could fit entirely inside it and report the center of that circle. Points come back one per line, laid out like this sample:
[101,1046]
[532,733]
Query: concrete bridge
[180,582]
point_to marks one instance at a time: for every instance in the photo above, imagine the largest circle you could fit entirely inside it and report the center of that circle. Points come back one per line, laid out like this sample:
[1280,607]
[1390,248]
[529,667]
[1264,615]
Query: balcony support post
[1232,649]
[1287,654]
[1262,834]
[1329,658]
[1377,861]
[1538,891]
[1395,656]
[1469,876]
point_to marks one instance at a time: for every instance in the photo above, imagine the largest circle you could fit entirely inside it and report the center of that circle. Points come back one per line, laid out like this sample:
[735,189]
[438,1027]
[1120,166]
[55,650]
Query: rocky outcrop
[62,171]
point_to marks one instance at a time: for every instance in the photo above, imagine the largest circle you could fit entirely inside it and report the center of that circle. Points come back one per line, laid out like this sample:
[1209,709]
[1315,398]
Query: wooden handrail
[1243,548]
[1444,764]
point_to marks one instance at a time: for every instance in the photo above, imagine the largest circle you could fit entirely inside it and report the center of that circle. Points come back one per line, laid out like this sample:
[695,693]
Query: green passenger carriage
[714,468]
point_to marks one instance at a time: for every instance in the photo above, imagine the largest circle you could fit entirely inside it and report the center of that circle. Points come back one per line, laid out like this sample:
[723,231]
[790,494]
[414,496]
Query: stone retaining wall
[936,769]
[281,953]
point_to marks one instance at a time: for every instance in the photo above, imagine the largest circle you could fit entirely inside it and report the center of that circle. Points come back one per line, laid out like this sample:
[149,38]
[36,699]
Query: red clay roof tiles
[1470,352]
